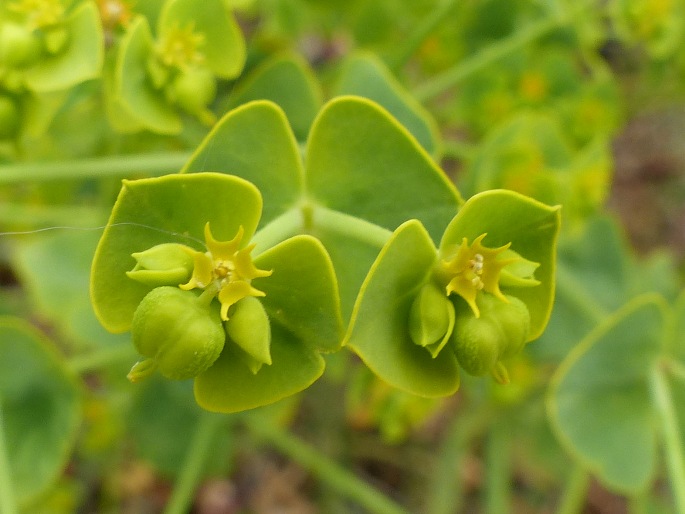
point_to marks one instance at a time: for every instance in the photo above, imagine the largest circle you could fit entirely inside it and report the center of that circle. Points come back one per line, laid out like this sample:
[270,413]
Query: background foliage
[573,103]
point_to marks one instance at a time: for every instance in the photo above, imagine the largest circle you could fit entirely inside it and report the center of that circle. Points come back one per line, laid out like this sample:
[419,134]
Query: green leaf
[223,44]
[365,75]
[55,269]
[133,90]
[229,385]
[302,292]
[41,408]
[600,403]
[379,329]
[255,142]
[80,60]
[362,162]
[168,209]
[530,226]
[288,81]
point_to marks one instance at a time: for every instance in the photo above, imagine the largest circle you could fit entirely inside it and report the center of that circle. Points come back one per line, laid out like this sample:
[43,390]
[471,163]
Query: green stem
[64,215]
[349,226]
[8,503]
[101,358]
[675,457]
[425,28]
[323,468]
[498,459]
[575,492]
[487,56]
[446,488]
[567,287]
[193,467]
[288,224]
[152,164]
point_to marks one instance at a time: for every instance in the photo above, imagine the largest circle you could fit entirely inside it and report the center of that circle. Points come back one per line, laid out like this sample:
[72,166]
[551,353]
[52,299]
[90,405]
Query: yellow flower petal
[203,266]
[245,267]
[233,292]
[223,250]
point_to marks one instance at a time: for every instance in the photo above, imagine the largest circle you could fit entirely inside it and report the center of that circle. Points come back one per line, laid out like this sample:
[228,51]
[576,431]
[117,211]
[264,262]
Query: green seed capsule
[248,326]
[19,47]
[180,335]
[431,318]
[514,319]
[500,332]
[477,343]
[193,90]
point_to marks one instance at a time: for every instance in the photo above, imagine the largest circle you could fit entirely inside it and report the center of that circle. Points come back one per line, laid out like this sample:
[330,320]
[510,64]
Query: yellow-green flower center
[473,268]
[180,48]
[39,13]
[226,270]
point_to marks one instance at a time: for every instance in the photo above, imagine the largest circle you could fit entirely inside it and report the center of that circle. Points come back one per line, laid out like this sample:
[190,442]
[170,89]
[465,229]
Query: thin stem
[424,29]
[567,287]
[101,358]
[350,226]
[8,503]
[152,164]
[498,458]
[325,469]
[675,457]
[193,467]
[279,229]
[575,491]
[35,215]
[486,57]
[446,488]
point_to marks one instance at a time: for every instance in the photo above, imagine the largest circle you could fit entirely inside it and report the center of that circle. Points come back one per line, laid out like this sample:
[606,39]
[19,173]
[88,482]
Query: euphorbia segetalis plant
[246,307]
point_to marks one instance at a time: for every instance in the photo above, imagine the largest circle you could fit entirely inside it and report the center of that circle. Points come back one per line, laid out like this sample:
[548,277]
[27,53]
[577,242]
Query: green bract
[271,347]
[363,175]
[175,70]
[390,325]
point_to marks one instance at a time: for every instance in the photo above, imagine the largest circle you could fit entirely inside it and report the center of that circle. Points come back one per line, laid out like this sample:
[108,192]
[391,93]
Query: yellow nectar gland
[475,268]
[225,270]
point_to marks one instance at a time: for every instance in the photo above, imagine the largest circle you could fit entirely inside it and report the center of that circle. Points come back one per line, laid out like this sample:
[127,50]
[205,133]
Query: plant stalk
[8,503]
[118,166]
[324,469]
[498,475]
[424,29]
[485,57]
[101,358]
[198,452]
[575,491]
[675,457]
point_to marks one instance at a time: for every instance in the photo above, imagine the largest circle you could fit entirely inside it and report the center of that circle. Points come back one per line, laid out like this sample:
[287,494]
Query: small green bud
[193,90]
[431,318]
[19,47]
[168,264]
[248,326]
[10,119]
[180,334]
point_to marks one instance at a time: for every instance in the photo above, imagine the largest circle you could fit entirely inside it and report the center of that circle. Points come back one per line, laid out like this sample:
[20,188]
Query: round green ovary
[182,335]
[477,343]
